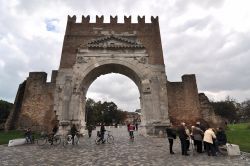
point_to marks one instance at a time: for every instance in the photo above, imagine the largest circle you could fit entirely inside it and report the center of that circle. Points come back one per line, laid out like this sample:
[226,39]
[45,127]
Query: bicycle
[51,138]
[69,140]
[109,138]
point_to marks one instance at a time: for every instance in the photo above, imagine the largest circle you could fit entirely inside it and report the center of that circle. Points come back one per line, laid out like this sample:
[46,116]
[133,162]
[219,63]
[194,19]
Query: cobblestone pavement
[143,151]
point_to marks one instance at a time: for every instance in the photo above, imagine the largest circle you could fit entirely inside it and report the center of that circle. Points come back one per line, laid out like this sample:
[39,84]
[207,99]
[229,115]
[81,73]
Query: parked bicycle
[107,137]
[69,140]
[50,138]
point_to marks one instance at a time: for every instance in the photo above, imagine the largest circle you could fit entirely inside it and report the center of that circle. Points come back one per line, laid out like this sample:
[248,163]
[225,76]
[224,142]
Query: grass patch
[239,134]
[13,134]
[6,136]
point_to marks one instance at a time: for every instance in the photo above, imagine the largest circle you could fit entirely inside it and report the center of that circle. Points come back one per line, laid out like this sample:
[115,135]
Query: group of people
[208,138]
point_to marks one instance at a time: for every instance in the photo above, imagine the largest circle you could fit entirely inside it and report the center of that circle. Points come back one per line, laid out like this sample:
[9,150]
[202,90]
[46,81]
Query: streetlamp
[102,116]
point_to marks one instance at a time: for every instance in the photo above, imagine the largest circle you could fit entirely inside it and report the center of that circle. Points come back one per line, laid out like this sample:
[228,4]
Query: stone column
[67,93]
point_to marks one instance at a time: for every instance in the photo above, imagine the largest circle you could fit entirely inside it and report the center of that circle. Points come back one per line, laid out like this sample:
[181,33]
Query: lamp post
[102,116]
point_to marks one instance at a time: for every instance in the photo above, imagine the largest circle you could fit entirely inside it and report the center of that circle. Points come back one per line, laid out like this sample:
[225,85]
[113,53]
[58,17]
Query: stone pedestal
[64,127]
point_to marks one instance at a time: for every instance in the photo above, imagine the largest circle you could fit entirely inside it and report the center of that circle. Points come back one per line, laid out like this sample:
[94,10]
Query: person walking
[183,137]
[171,134]
[131,131]
[73,132]
[52,135]
[89,128]
[209,135]
[136,126]
[102,131]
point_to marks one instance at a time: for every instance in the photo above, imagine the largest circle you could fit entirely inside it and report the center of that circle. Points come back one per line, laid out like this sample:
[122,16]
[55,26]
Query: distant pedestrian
[102,131]
[128,126]
[55,129]
[89,128]
[52,135]
[171,134]
[221,137]
[183,138]
[73,132]
[136,126]
[197,134]
[188,138]
[131,131]
[28,136]
[209,135]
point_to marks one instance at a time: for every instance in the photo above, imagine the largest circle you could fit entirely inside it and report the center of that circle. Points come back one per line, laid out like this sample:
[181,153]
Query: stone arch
[113,54]
[100,67]
[150,80]
[112,66]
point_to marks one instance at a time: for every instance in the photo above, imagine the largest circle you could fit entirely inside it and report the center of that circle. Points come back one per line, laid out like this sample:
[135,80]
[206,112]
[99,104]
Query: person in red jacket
[131,130]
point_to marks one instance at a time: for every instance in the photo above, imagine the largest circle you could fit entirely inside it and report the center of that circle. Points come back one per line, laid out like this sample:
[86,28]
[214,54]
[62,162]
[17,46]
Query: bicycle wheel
[76,140]
[56,140]
[97,141]
[110,139]
[65,143]
[42,141]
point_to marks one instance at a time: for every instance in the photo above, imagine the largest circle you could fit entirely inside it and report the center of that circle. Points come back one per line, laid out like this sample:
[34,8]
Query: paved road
[144,151]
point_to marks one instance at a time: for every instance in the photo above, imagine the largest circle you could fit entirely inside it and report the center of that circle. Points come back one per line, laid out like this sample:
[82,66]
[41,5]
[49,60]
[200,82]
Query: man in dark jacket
[89,128]
[171,134]
[102,131]
[183,137]
[221,137]
[73,132]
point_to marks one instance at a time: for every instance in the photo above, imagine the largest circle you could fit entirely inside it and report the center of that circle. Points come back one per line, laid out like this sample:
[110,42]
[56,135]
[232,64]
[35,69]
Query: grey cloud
[196,24]
[205,4]
[217,67]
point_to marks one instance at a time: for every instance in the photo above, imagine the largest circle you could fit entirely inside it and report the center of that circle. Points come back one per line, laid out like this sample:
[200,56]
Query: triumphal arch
[93,49]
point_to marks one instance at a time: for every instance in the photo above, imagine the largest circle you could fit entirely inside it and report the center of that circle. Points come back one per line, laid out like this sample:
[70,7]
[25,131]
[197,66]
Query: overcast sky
[210,38]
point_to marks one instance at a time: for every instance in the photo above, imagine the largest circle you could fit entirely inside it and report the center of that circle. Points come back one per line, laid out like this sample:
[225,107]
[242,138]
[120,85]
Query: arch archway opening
[121,83]
[108,90]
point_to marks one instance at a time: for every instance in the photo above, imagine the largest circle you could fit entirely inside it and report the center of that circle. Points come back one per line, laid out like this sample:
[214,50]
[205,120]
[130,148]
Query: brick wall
[183,100]
[81,33]
[37,105]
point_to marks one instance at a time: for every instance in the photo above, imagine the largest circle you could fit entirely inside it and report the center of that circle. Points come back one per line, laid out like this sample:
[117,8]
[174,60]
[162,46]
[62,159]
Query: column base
[65,126]
[153,130]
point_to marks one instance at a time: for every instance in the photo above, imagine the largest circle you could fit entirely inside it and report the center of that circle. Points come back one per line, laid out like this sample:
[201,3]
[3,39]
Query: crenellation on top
[127,20]
[113,20]
[100,19]
[141,20]
[72,19]
[85,19]
[154,20]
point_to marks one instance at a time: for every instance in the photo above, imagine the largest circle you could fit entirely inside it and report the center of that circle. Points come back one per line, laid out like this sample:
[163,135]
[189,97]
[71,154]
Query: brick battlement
[85,31]
[113,20]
